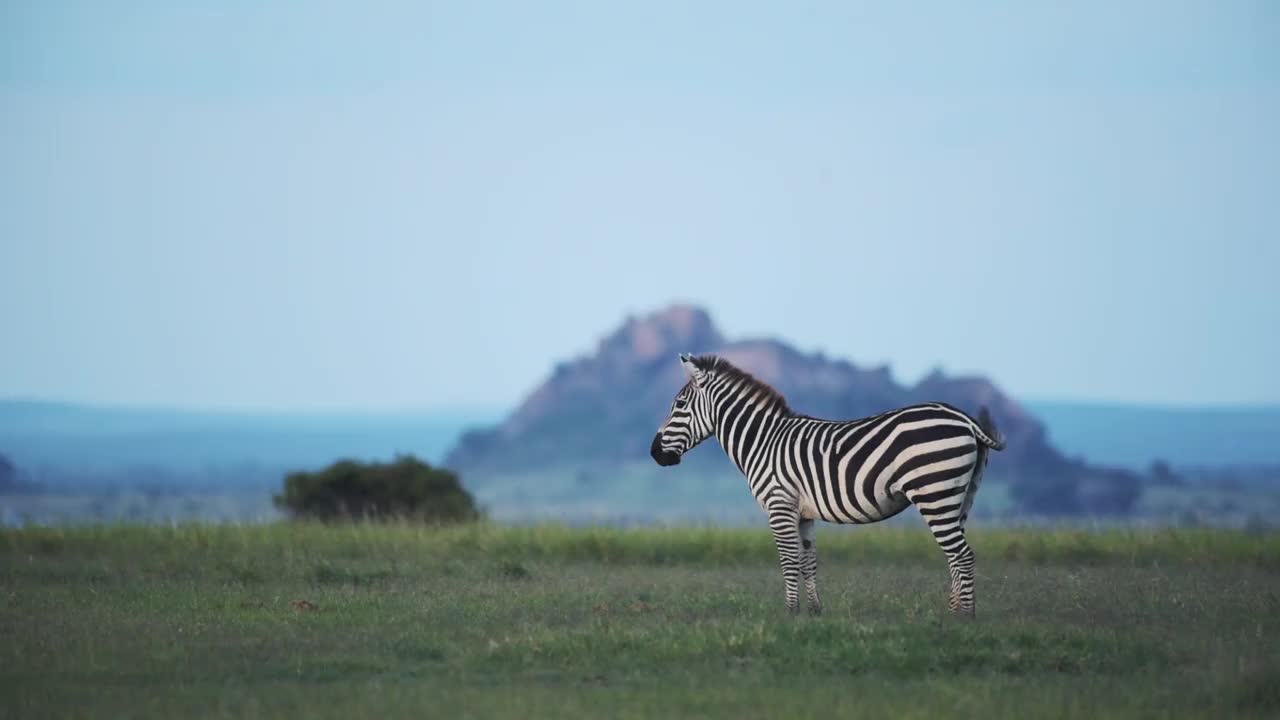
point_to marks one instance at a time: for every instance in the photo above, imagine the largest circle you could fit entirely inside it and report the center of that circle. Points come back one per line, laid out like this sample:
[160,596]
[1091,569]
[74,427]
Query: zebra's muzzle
[665,458]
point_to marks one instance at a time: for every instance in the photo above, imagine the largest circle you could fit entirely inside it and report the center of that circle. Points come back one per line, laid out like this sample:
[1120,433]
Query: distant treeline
[153,479]
[1186,495]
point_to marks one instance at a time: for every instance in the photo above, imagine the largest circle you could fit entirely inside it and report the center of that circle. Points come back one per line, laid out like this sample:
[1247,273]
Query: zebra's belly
[895,505]
[811,510]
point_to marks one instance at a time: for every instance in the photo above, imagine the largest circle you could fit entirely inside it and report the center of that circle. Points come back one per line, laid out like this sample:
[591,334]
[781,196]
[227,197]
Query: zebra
[802,468]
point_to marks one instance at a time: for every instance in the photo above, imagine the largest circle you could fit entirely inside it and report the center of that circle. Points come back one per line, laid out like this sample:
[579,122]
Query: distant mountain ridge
[605,406]
[38,434]
[602,408]
[1133,435]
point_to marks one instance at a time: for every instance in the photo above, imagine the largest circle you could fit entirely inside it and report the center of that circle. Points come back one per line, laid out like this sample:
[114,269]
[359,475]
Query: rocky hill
[605,407]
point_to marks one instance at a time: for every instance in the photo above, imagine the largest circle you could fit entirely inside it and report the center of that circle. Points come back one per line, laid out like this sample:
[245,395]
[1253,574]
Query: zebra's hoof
[815,609]
[793,609]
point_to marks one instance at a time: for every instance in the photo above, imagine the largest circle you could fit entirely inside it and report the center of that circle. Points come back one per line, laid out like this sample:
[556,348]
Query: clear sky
[366,205]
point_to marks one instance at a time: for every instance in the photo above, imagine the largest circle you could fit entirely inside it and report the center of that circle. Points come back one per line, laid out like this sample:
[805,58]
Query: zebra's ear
[695,373]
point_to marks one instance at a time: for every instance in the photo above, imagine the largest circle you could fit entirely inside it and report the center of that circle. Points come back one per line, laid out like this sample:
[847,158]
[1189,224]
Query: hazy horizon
[500,409]
[112,437]
[401,206]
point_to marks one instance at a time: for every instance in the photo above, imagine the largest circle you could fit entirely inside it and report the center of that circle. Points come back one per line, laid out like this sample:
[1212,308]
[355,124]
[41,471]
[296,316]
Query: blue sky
[414,205]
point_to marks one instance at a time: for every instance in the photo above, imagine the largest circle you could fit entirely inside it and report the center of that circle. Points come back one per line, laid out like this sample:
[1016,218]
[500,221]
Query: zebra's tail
[988,434]
[988,439]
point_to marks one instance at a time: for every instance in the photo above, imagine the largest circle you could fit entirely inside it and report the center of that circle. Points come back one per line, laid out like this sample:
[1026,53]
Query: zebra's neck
[746,417]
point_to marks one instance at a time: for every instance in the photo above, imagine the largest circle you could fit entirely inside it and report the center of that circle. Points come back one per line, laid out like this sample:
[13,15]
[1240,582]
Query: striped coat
[802,469]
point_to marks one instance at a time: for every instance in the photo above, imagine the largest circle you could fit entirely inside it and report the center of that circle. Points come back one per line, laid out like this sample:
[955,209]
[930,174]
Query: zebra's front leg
[784,522]
[809,564]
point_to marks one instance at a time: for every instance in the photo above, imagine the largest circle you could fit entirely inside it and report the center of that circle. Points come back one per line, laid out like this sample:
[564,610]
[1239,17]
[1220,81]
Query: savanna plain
[306,620]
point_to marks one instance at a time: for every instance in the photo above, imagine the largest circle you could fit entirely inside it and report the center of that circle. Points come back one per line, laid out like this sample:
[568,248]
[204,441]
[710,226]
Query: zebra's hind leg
[809,564]
[942,511]
[960,564]
[784,522]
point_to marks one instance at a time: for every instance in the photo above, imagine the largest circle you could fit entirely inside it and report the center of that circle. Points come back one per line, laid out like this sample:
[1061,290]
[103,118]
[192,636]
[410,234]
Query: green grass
[357,621]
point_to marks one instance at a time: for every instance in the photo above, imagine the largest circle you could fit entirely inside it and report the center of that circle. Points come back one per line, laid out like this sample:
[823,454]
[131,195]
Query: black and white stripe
[802,469]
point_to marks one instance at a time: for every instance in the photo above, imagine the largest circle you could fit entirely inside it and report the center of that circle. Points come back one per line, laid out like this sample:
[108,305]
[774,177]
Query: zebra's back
[870,469]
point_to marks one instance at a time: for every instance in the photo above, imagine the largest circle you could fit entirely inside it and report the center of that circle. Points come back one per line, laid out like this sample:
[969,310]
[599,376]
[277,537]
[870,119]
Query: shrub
[1051,493]
[1078,491]
[407,488]
[8,474]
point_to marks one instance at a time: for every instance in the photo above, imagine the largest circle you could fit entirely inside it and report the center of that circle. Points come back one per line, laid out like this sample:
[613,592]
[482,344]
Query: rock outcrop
[605,407]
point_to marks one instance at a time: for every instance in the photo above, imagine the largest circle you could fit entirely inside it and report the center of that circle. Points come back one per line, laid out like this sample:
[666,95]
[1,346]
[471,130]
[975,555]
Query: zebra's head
[689,421]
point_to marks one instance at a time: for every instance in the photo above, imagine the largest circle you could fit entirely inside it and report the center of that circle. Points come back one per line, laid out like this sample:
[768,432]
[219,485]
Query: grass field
[361,621]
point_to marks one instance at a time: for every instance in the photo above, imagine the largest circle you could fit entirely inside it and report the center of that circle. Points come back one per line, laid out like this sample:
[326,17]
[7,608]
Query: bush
[405,489]
[1051,493]
[8,474]
[1078,491]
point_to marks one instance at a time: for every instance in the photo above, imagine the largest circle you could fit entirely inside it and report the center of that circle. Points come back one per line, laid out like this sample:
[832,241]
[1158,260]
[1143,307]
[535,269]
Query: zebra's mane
[725,369]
